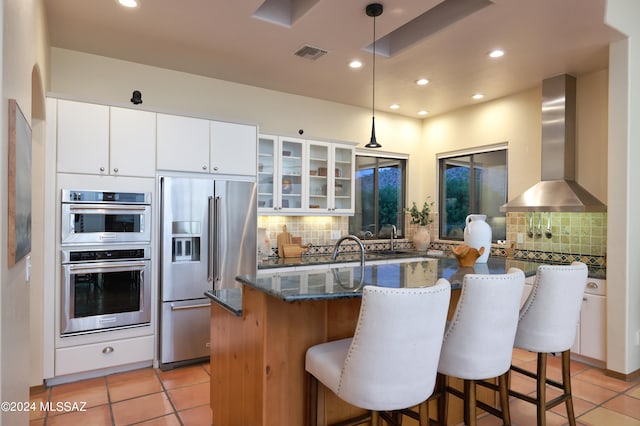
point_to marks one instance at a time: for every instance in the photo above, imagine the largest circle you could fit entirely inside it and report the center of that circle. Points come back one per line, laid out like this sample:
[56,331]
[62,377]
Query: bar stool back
[548,322]
[391,361]
[478,343]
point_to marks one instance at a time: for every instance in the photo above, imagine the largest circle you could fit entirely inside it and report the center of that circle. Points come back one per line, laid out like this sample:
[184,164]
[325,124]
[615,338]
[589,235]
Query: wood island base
[257,361]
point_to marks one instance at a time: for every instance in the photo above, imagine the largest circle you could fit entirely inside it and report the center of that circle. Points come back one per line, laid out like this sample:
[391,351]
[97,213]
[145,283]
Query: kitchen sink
[390,252]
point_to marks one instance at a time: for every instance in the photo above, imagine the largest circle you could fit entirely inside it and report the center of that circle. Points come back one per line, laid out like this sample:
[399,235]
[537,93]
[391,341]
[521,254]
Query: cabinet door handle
[584,299]
[107,350]
[204,167]
[115,170]
[102,169]
[215,169]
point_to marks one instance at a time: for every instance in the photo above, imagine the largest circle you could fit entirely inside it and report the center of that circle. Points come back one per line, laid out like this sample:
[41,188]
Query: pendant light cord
[373,104]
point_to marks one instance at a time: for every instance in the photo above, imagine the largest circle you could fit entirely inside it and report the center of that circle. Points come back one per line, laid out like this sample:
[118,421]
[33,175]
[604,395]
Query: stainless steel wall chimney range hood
[557,191]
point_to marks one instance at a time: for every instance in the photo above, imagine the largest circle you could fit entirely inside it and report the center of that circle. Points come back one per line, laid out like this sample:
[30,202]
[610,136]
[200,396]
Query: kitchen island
[260,333]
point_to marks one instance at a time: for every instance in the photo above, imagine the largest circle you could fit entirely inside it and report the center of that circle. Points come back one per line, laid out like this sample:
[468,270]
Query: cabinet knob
[107,350]
[592,284]
[204,167]
[215,169]
[102,169]
[115,170]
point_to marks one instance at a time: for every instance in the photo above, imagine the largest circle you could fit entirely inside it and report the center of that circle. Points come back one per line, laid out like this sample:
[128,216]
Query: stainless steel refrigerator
[208,237]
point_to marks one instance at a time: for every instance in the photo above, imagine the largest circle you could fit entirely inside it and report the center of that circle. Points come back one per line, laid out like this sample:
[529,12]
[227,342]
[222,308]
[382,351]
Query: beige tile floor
[598,400]
[149,397]
[181,397]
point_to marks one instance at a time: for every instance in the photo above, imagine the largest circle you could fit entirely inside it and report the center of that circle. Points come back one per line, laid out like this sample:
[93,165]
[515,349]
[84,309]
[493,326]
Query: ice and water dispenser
[185,237]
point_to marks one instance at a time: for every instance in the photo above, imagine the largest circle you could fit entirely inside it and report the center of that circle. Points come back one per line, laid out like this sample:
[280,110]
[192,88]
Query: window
[379,197]
[473,183]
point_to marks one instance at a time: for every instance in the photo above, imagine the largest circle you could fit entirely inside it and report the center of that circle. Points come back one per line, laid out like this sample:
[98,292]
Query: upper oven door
[105,223]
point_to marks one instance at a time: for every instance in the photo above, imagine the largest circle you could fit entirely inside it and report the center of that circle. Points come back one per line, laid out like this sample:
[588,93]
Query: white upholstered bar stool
[478,342]
[548,322]
[391,361]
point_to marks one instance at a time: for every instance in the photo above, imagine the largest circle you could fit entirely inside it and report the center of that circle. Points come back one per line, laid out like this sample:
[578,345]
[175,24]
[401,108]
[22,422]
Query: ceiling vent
[310,52]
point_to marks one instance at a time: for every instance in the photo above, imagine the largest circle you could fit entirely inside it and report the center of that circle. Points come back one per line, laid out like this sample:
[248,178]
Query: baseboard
[37,389]
[629,377]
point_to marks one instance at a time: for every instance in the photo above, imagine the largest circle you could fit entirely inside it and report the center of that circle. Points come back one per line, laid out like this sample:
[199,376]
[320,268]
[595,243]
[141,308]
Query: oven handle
[96,267]
[104,207]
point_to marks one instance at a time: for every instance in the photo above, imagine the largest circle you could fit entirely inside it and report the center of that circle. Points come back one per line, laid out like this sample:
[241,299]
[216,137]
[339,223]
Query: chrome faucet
[362,251]
[353,238]
[394,235]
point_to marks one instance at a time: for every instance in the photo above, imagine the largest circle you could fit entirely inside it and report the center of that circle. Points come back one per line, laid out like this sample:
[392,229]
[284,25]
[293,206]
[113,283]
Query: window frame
[502,146]
[403,196]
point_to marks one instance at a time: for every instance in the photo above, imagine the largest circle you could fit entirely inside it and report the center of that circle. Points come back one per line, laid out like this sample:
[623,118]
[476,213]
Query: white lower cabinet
[591,337]
[78,359]
[528,285]
[591,329]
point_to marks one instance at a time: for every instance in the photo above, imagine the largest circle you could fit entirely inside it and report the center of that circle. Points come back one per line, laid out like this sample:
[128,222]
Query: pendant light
[374,10]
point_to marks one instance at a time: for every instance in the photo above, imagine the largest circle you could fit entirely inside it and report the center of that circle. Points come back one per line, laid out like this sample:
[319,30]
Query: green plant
[420,217]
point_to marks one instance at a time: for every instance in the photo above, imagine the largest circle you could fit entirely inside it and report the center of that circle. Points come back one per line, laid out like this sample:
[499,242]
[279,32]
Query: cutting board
[283,238]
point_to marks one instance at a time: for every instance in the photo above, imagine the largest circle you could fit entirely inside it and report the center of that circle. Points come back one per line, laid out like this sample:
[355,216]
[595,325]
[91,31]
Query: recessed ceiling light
[128,3]
[478,96]
[394,106]
[423,112]
[355,64]
[422,82]
[497,53]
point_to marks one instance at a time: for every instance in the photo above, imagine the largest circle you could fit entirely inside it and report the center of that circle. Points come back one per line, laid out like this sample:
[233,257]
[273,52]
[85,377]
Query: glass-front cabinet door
[330,179]
[319,172]
[292,160]
[343,186]
[281,162]
[267,173]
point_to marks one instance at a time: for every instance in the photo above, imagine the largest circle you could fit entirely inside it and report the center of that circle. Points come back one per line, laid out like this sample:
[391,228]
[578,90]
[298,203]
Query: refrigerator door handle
[217,238]
[210,237]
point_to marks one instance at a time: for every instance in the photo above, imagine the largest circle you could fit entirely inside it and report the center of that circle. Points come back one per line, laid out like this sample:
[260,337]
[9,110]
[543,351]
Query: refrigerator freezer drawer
[185,330]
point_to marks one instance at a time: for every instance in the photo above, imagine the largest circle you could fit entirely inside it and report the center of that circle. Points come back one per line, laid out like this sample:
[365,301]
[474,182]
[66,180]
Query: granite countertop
[344,278]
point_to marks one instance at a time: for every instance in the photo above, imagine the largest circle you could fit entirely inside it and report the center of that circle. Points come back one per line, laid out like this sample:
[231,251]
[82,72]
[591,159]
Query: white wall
[24,48]
[516,120]
[623,272]
[107,80]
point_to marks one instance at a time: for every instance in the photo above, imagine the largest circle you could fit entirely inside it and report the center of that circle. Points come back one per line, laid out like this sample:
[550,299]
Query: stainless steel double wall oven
[105,260]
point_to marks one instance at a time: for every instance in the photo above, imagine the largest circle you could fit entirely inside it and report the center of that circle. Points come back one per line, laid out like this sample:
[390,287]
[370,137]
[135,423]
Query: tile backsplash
[315,230]
[573,235]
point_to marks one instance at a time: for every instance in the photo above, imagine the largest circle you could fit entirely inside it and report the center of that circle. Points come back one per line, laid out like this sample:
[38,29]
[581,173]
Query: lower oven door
[104,295]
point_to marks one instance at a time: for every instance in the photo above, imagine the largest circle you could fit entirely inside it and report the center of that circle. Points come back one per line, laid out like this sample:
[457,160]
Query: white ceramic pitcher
[477,233]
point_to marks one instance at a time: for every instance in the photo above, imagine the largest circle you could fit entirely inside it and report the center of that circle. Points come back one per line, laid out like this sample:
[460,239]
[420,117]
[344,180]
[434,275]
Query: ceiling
[222,39]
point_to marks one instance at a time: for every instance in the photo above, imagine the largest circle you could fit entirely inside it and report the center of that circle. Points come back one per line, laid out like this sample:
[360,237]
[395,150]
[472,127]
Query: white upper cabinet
[197,145]
[280,172]
[83,138]
[330,177]
[298,176]
[233,148]
[133,142]
[103,140]
[182,143]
